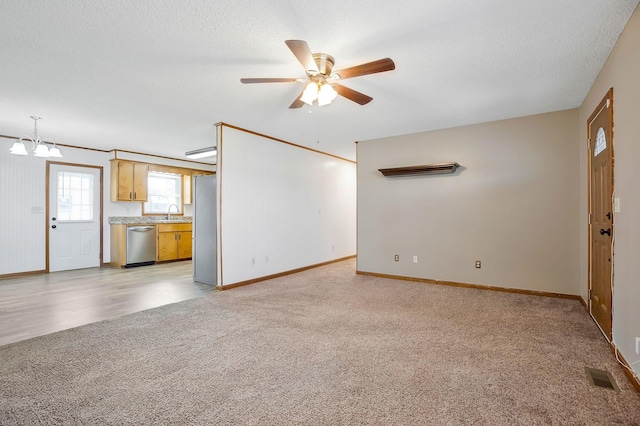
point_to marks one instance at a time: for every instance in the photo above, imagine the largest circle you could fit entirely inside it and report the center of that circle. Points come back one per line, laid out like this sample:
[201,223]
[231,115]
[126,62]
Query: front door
[74,217]
[601,212]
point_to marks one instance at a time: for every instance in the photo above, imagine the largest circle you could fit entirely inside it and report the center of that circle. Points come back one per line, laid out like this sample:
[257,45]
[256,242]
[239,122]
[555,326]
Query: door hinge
[589,218]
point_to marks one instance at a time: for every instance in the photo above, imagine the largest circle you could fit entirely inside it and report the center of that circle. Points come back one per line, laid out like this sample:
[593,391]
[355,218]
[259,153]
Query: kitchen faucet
[169,210]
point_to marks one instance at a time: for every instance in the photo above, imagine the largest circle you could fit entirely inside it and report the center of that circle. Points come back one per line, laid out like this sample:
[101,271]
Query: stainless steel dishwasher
[141,245]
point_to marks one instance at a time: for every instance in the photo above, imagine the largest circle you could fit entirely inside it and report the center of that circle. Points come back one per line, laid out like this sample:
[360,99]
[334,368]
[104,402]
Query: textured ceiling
[154,76]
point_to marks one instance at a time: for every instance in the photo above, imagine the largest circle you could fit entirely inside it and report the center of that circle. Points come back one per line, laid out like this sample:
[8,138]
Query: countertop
[147,220]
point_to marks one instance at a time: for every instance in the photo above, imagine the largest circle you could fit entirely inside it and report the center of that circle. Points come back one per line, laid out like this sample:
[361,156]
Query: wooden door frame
[607,97]
[46,220]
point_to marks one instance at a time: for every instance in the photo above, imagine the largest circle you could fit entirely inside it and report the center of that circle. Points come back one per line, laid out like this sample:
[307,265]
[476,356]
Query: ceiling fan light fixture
[310,93]
[326,94]
[322,85]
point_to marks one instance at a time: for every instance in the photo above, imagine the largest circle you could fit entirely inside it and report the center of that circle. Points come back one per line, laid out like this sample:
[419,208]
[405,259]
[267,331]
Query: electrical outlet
[478,264]
[415,259]
[638,345]
[396,257]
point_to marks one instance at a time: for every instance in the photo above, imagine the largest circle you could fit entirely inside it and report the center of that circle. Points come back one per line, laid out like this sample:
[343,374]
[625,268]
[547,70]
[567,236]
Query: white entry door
[74,217]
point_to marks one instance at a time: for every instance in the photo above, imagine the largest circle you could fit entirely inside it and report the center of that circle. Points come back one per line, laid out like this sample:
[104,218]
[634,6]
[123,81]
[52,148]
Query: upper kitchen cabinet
[187,183]
[128,181]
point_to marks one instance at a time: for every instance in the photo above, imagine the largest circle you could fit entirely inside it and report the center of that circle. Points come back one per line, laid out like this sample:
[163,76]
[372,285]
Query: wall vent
[427,169]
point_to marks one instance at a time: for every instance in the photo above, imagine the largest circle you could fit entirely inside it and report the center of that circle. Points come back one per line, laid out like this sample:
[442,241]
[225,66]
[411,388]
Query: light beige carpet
[323,347]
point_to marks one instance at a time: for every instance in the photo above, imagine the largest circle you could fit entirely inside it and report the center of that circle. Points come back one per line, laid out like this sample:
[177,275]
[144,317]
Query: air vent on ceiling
[427,169]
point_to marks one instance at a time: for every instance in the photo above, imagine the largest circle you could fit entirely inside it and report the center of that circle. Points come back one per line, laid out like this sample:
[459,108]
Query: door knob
[53,218]
[54,226]
[607,231]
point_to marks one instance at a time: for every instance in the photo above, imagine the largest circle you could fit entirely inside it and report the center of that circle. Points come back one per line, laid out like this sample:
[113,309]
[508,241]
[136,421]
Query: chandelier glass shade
[38,145]
[18,148]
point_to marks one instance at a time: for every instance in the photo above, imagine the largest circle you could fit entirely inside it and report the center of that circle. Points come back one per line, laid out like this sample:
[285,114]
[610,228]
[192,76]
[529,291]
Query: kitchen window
[163,190]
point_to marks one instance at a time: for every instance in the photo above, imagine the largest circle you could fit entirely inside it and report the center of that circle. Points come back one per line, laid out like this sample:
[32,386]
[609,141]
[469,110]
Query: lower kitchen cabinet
[174,241]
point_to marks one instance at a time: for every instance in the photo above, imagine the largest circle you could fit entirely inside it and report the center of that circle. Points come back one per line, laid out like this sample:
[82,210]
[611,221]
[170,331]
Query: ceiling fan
[321,81]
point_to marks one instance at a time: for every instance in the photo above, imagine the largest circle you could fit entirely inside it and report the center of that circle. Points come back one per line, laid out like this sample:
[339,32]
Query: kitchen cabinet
[187,183]
[174,241]
[118,245]
[128,181]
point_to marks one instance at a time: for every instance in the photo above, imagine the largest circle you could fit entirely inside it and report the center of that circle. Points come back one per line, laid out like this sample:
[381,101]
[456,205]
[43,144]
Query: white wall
[281,207]
[514,204]
[22,186]
[622,72]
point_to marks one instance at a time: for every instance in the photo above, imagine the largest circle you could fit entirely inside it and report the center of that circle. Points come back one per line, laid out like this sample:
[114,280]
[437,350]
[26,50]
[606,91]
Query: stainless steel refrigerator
[204,229]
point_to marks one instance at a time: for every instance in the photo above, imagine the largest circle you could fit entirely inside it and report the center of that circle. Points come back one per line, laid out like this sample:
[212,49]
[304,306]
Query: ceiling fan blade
[355,96]
[302,52]
[380,65]
[267,80]
[297,103]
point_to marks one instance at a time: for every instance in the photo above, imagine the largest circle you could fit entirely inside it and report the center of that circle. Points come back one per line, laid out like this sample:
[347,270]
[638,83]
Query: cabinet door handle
[134,196]
[130,196]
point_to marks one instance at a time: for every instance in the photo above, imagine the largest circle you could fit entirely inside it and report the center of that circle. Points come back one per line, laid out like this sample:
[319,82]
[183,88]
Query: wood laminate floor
[35,305]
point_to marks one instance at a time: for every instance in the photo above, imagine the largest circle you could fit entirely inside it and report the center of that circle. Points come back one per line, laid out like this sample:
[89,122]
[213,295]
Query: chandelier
[37,144]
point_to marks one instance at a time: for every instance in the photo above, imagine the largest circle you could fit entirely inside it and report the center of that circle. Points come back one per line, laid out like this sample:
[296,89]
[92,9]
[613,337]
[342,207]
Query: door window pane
[601,142]
[75,196]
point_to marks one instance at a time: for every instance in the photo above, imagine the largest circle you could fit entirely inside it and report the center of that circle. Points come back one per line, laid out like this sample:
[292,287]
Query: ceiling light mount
[318,89]
[325,64]
[37,144]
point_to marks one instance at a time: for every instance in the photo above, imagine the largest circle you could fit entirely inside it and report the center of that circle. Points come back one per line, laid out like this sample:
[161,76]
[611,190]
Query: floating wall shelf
[427,169]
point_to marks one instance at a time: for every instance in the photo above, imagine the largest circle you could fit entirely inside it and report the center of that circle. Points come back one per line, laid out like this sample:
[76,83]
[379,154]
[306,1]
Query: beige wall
[622,72]
[514,204]
[519,203]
